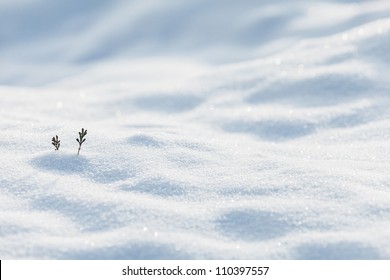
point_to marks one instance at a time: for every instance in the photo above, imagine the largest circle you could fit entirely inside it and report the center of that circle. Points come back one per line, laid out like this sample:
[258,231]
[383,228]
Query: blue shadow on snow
[73,164]
[345,250]
[251,226]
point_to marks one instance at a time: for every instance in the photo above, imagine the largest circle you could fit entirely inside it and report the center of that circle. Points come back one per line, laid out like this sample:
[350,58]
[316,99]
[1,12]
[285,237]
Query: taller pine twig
[81,139]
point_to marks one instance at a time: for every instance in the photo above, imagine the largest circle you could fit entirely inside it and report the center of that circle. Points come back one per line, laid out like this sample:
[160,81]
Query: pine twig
[82,139]
[56,143]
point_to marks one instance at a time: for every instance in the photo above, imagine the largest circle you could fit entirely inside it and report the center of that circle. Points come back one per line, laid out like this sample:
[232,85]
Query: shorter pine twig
[56,142]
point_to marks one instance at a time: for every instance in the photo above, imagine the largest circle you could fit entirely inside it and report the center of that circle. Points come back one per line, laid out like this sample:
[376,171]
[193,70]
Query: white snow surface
[216,129]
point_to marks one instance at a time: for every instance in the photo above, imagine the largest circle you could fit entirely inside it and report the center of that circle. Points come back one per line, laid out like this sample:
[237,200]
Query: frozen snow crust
[282,157]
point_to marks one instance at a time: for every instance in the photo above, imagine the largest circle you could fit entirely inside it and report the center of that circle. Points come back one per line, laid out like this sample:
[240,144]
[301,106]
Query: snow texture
[216,129]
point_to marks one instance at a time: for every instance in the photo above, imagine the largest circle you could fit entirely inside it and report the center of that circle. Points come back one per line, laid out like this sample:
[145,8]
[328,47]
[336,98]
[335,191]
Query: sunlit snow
[216,129]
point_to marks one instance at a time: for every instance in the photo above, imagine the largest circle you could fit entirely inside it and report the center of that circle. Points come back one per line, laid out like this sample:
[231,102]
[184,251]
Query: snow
[216,130]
